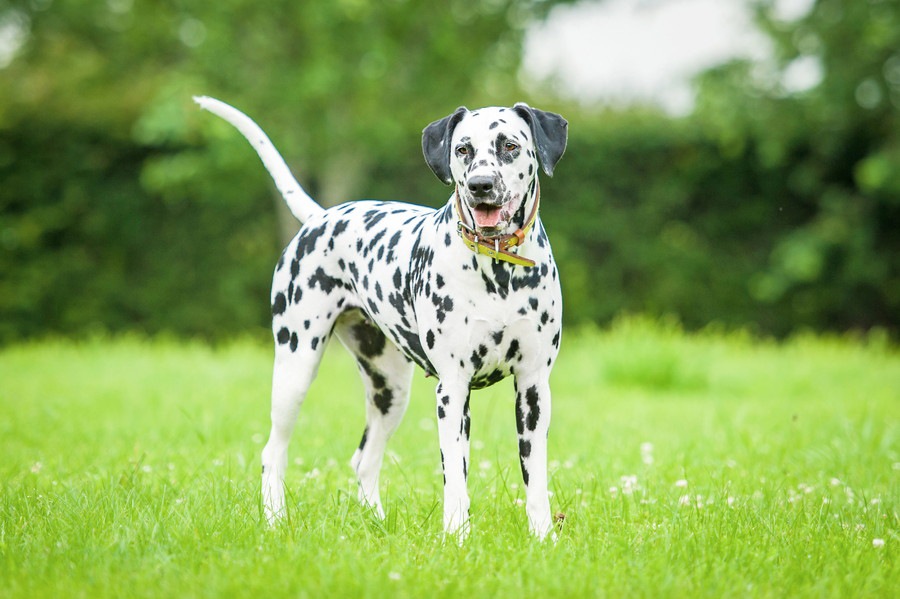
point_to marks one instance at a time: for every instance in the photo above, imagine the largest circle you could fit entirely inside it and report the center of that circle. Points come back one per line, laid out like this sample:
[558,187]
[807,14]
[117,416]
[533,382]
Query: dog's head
[492,156]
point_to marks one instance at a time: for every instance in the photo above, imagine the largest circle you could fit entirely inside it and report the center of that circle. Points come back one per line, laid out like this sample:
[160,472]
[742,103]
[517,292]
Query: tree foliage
[769,206]
[122,206]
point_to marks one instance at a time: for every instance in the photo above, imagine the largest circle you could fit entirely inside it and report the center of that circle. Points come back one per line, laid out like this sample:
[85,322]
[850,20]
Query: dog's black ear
[436,144]
[550,132]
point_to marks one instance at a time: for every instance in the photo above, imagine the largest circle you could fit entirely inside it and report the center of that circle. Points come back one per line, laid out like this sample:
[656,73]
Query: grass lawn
[702,465]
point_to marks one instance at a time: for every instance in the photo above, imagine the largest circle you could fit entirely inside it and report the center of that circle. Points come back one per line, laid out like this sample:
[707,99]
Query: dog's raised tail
[301,205]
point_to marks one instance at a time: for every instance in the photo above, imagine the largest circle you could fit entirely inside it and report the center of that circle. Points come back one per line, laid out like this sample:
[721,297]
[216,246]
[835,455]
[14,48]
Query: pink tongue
[486,216]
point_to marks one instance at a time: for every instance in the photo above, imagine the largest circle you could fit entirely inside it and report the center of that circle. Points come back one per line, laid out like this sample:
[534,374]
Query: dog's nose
[481,186]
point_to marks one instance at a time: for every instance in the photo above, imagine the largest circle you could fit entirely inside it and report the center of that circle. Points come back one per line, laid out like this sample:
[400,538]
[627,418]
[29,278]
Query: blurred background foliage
[123,207]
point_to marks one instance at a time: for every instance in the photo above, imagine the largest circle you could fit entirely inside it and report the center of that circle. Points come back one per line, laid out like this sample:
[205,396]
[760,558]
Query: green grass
[705,465]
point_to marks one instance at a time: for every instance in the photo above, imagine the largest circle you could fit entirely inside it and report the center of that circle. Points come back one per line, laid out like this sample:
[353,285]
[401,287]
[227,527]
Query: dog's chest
[504,318]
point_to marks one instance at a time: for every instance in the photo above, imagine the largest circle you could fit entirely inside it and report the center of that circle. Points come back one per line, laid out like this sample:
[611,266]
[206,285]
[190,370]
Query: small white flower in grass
[875,501]
[36,467]
[520,501]
[394,575]
[877,543]
[485,465]
[835,482]
[681,483]
[629,484]
[614,491]
[146,468]
[684,500]
[731,501]
[647,453]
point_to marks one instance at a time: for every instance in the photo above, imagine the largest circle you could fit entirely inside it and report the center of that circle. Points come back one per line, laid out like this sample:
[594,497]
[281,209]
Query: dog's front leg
[453,430]
[533,424]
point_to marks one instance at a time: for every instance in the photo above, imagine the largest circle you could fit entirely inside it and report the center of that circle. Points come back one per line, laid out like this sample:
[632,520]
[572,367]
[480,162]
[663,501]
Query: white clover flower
[629,483]
[877,543]
[647,453]
[681,483]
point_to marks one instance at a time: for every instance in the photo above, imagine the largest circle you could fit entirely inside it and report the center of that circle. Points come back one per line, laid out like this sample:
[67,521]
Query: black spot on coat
[279,305]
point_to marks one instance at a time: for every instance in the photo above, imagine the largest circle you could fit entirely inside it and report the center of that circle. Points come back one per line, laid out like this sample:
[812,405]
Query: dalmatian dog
[468,292]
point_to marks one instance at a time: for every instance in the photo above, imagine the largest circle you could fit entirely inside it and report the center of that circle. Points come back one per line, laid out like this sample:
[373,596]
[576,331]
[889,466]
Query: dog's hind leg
[387,376]
[297,358]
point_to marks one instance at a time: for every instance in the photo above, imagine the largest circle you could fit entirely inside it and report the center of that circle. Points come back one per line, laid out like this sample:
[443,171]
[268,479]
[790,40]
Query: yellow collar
[498,247]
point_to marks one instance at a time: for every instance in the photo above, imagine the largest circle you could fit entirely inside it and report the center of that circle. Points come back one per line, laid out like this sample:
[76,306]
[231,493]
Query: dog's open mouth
[491,216]
[487,216]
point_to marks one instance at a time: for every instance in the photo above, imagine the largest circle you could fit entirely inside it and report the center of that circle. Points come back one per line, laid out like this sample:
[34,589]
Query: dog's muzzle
[498,247]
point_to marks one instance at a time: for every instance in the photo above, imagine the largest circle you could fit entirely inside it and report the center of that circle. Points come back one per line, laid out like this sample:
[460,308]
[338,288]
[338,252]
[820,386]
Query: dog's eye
[511,146]
[462,150]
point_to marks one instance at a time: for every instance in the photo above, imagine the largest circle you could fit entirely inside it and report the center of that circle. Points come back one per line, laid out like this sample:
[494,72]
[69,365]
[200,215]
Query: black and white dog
[468,292]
